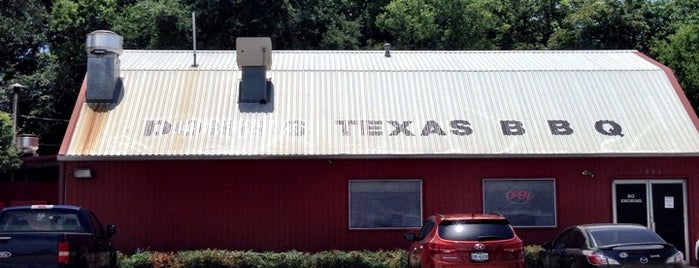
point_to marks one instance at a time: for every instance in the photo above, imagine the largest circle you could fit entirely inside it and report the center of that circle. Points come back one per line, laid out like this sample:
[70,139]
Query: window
[426,229]
[375,204]
[562,239]
[605,237]
[461,230]
[577,240]
[525,202]
[40,221]
[96,225]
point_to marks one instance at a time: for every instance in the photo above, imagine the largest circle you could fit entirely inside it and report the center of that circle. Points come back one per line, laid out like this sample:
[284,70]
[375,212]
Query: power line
[45,118]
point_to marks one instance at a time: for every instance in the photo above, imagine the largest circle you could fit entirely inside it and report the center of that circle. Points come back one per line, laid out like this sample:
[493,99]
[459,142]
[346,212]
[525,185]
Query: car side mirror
[111,230]
[411,236]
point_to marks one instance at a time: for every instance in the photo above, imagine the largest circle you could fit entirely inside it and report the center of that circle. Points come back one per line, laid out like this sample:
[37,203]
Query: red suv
[466,240]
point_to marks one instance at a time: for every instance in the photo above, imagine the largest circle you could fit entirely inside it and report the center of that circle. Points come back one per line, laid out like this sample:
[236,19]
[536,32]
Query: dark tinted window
[562,239]
[463,230]
[96,225]
[577,240]
[613,236]
[426,229]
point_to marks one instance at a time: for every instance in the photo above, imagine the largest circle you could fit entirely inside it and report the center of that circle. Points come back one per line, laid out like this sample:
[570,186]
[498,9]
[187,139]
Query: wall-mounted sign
[670,202]
[525,202]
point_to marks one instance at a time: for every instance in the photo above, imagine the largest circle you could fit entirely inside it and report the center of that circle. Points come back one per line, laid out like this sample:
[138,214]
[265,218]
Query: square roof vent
[254,52]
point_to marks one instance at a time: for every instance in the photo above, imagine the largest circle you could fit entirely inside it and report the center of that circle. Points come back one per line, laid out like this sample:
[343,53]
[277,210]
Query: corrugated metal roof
[413,104]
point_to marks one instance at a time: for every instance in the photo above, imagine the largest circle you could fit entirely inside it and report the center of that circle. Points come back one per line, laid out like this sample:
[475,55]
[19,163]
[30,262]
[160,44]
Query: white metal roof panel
[413,104]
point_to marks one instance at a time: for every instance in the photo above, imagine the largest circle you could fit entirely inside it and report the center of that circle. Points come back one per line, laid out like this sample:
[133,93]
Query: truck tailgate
[29,249]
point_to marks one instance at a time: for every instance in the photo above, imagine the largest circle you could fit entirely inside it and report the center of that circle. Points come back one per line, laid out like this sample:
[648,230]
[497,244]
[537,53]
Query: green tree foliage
[8,153]
[343,24]
[526,24]
[680,52]
[676,43]
[602,24]
[25,58]
[155,24]
[436,24]
[23,35]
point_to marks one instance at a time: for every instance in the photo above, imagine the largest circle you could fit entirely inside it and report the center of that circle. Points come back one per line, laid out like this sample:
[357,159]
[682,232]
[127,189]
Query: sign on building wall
[525,202]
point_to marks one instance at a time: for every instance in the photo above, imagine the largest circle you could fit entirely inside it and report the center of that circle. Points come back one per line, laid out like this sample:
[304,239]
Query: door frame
[649,206]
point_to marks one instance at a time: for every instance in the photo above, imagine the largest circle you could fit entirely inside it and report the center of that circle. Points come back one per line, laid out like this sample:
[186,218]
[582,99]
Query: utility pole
[15,88]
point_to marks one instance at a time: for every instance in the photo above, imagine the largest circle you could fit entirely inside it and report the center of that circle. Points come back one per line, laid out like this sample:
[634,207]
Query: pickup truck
[54,236]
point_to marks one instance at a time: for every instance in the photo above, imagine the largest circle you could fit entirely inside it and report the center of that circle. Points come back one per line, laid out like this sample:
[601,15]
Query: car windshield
[478,230]
[616,236]
[39,221]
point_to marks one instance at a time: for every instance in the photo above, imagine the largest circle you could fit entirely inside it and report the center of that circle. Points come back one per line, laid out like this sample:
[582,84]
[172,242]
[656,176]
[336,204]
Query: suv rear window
[478,230]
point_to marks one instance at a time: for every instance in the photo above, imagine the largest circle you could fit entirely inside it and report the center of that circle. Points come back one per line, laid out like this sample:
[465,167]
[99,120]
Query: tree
[23,27]
[155,24]
[602,24]
[675,43]
[681,53]
[526,24]
[9,158]
[25,59]
[437,24]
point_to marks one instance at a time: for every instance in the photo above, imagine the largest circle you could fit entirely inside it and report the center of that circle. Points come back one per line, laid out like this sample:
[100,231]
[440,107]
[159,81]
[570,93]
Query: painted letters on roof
[412,104]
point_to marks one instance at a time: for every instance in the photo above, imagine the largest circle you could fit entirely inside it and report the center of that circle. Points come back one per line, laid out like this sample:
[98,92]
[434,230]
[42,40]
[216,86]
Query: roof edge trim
[68,136]
[332,157]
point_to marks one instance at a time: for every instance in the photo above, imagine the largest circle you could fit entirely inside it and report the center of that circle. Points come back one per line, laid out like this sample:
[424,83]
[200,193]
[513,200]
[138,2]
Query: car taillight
[514,251]
[436,248]
[600,259]
[63,252]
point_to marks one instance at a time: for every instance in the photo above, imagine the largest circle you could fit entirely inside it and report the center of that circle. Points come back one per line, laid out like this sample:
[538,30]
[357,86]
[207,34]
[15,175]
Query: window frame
[349,201]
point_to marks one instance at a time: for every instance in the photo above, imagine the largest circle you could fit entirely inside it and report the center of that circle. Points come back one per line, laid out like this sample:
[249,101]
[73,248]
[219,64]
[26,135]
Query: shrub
[233,259]
[138,260]
[164,260]
[209,258]
[289,259]
[531,255]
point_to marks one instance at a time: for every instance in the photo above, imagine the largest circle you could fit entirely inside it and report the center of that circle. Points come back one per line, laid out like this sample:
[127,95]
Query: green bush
[233,259]
[138,260]
[210,258]
[531,255]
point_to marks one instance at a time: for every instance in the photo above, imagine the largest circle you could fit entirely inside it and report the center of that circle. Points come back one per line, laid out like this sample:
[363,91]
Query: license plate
[479,256]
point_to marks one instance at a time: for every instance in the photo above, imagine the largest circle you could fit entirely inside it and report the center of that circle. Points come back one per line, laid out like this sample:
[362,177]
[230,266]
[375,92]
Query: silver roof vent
[254,57]
[103,66]
[27,144]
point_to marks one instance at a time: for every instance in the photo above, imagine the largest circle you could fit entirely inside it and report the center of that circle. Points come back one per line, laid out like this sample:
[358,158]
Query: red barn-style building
[314,150]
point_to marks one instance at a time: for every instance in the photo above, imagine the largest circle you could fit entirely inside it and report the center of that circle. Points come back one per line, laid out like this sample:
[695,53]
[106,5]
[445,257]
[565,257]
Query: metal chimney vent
[254,57]
[27,144]
[103,50]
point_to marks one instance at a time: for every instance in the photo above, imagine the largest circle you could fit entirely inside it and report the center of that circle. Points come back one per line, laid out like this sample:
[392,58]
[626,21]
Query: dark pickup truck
[54,236]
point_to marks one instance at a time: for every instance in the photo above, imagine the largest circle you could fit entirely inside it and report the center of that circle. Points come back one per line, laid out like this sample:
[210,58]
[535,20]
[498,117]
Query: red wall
[24,193]
[303,204]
